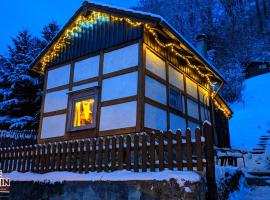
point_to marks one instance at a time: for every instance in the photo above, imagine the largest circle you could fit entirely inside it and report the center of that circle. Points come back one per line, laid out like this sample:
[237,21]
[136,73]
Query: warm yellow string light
[94,18]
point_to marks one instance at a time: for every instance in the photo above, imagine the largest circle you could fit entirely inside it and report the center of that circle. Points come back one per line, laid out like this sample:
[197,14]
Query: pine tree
[20,87]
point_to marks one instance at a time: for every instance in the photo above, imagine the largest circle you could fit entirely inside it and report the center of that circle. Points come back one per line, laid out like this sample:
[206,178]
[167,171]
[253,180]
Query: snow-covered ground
[251,193]
[180,176]
[251,117]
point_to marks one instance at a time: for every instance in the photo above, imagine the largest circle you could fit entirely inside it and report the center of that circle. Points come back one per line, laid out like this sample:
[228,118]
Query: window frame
[79,95]
[182,99]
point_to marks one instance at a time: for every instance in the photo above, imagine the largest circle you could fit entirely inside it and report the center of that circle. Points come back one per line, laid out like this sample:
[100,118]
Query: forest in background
[238,32]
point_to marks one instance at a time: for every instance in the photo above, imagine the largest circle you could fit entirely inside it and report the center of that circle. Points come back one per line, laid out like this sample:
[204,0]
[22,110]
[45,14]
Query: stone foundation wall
[108,190]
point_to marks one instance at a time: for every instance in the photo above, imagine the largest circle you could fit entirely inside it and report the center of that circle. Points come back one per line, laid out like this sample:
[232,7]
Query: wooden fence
[12,138]
[138,152]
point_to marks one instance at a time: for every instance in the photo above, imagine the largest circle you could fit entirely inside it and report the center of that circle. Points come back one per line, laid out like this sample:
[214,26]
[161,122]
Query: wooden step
[257,152]
[258,181]
[261,173]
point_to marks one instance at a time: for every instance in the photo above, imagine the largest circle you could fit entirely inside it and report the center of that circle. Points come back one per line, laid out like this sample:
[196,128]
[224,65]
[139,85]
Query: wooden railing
[137,152]
[12,138]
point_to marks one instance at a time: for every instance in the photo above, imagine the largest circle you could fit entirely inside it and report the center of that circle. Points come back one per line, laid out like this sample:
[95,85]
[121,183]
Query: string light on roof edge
[98,17]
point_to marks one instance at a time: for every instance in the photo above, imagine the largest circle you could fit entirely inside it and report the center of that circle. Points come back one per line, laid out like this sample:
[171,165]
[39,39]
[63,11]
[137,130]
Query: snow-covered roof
[138,15]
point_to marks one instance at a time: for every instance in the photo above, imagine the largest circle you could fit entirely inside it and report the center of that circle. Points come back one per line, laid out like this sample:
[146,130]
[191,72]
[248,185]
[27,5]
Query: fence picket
[152,152]
[11,159]
[24,158]
[69,156]
[170,149]
[75,157]
[188,150]
[136,153]
[42,159]
[128,150]
[29,158]
[58,157]
[179,150]
[52,163]
[93,155]
[87,154]
[81,156]
[64,157]
[198,147]
[113,154]
[15,159]
[19,158]
[100,151]
[106,156]
[48,156]
[144,153]
[161,151]
[120,153]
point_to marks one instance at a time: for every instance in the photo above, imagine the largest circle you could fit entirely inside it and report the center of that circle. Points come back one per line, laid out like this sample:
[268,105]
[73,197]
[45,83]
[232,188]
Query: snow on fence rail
[11,138]
[137,152]
[153,151]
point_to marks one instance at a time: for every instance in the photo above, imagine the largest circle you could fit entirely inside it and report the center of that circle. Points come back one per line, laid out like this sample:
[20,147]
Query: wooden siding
[98,37]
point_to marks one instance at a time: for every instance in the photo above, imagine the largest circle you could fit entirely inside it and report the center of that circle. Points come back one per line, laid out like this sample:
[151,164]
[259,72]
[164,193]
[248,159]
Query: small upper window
[176,99]
[82,109]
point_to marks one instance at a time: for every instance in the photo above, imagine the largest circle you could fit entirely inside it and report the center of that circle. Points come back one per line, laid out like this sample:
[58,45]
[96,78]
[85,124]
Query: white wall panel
[56,101]
[118,116]
[119,86]
[84,86]
[203,96]
[155,90]
[155,118]
[155,64]
[121,58]
[176,78]
[87,68]
[58,77]
[192,88]
[192,108]
[177,122]
[53,126]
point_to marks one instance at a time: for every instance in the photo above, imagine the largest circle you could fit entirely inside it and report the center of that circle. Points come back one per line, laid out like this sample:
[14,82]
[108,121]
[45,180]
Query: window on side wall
[176,99]
[82,109]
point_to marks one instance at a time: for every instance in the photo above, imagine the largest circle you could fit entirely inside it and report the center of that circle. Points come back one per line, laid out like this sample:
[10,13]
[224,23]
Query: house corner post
[210,162]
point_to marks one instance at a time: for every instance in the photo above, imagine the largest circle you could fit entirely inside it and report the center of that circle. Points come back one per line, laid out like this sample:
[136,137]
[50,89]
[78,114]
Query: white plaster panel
[203,94]
[155,90]
[84,86]
[192,108]
[119,86]
[118,116]
[53,126]
[205,114]
[177,122]
[155,118]
[58,77]
[121,58]
[176,78]
[56,101]
[87,68]
[192,88]
[155,64]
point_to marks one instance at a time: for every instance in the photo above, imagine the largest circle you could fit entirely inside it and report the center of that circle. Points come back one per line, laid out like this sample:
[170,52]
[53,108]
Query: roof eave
[193,49]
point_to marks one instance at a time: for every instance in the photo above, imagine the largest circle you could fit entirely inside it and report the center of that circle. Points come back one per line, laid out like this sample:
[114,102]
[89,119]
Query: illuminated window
[82,110]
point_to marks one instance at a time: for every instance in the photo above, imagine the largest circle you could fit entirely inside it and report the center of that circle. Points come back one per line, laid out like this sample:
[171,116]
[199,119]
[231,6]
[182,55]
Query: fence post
[210,162]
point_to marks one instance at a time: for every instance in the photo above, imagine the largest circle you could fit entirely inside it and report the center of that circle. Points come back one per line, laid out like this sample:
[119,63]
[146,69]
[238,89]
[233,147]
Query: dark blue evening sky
[16,15]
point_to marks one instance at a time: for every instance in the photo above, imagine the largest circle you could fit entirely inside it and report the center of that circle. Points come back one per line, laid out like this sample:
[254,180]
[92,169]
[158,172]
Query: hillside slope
[251,117]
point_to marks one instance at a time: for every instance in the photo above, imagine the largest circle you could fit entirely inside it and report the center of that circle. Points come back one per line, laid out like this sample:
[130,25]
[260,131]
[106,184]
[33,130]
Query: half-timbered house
[115,71]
